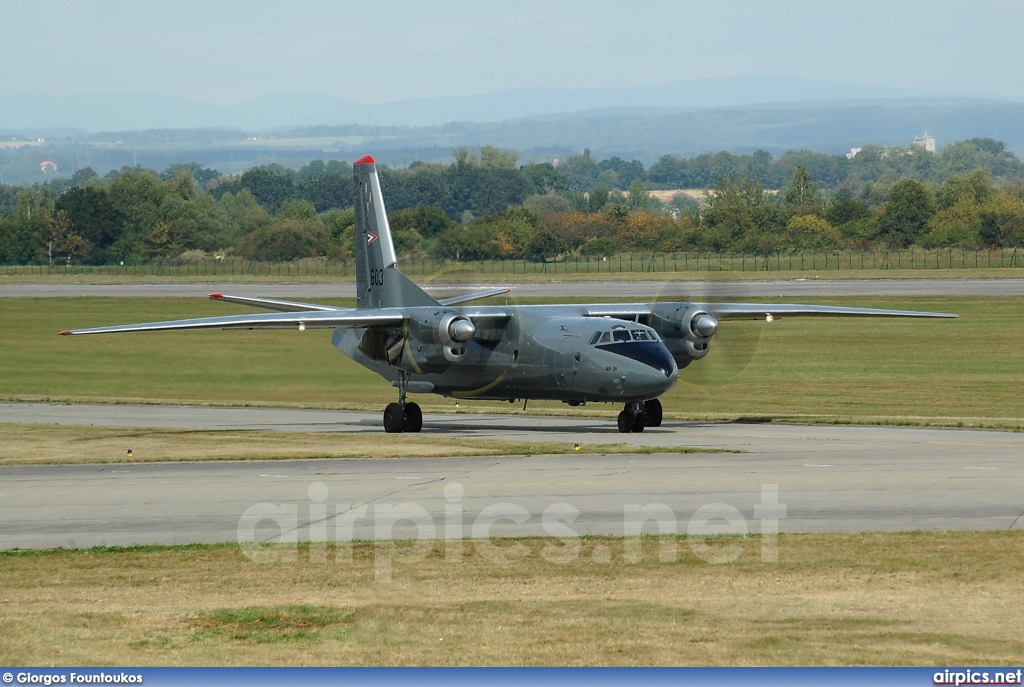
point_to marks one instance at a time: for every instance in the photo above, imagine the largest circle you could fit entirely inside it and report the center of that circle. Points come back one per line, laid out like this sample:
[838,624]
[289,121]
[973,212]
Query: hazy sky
[376,51]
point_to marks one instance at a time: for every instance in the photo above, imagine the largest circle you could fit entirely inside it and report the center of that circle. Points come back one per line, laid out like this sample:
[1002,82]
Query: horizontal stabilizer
[465,298]
[273,304]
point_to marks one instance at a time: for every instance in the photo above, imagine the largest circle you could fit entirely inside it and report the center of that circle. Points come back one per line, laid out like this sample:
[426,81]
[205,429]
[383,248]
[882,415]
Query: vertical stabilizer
[379,283]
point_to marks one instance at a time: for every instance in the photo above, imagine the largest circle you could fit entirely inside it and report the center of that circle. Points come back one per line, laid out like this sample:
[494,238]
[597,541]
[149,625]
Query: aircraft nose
[656,381]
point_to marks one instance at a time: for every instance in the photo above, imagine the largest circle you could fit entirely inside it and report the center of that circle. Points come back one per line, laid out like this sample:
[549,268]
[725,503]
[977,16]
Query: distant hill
[129,111]
[625,129]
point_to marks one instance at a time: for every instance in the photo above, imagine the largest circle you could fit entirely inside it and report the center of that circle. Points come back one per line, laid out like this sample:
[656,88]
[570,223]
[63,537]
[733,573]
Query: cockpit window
[622,335]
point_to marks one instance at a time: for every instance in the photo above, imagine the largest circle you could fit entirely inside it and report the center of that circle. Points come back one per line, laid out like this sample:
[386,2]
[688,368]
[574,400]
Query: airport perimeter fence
[653,262]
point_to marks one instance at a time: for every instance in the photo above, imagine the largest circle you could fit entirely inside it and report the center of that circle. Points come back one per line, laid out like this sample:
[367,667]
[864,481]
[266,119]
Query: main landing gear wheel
[394,419]
[413,418]
[633,418]
[402,416]
[653,408]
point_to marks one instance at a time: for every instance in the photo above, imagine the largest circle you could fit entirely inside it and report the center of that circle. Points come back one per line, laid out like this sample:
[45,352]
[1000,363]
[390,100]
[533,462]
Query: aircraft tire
[639,422]
[625,422]
[413,417]
[653,408]
[394,419]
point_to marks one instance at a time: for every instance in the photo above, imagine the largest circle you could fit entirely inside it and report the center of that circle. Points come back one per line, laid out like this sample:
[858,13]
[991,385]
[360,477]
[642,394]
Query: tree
[639,199]
[326,191]
[64,241]
[140,198]
[1002,221]
[270,185]
[545,177]
[975,187]
[810,232]
[843,208]
[204,224]
[800,197]
[597,198]
[959,225]
[427,221]
[580,171]
[908,208]
[245,215]
[25,234]
[202,175]
[547,204]
[670,171]
[94,217]
[496,158]
[625,172]
[739,213]
[286,239]
[82,177]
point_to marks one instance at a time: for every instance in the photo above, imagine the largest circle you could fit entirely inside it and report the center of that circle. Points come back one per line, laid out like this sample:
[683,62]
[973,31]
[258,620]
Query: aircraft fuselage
[540,352]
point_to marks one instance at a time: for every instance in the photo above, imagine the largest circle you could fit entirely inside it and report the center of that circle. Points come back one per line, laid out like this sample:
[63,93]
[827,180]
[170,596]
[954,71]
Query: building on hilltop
[927,142]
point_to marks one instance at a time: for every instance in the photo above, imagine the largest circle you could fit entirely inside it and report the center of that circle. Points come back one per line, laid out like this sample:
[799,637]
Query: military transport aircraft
[628,353]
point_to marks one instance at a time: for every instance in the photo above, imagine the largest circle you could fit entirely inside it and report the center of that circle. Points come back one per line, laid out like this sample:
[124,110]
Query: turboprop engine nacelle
[442,337]
[686,331]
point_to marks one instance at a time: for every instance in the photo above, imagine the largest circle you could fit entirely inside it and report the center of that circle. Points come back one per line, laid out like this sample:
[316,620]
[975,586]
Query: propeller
[733,346]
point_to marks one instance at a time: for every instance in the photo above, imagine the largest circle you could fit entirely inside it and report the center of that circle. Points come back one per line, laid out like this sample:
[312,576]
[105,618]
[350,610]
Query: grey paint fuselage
[543,352]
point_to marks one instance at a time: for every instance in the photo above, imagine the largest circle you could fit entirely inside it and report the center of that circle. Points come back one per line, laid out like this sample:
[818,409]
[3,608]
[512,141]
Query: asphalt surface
[826,478]
[628,289]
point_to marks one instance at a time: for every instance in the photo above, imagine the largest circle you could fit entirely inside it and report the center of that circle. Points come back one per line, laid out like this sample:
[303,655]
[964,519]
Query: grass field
[940,372]
[852,599]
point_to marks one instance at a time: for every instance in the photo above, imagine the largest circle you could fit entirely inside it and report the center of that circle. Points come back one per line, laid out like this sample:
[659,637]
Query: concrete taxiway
[638,289]
[826,478]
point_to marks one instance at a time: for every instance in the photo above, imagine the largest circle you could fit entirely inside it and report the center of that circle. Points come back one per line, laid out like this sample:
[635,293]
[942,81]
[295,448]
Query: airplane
[628,353]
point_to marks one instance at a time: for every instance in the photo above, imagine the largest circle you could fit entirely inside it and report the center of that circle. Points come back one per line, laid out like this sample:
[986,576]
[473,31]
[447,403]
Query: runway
[826,478]
[638,289]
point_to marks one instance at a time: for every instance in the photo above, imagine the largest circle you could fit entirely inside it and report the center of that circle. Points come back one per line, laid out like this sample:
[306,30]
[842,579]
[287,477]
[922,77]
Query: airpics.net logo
[270,532]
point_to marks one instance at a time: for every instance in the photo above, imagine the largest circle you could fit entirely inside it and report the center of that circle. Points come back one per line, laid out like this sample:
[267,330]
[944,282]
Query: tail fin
[379,283]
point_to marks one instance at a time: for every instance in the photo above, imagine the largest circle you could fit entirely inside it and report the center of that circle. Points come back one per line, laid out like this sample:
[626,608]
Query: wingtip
[216,295]
[66,332]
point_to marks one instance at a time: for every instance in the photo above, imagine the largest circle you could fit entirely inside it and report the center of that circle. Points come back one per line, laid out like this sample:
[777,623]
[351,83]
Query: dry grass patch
[832,599]
[29,444]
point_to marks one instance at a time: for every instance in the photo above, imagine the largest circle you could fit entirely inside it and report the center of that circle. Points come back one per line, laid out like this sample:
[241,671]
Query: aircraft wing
[274,304]
[759,311]
[756,311]
[336,319]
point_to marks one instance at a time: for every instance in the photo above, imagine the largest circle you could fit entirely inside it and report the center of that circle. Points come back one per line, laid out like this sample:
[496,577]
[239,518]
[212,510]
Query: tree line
[485,205]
